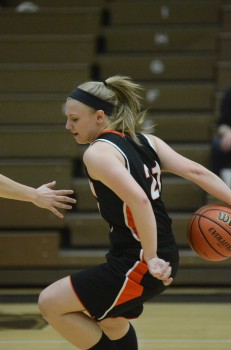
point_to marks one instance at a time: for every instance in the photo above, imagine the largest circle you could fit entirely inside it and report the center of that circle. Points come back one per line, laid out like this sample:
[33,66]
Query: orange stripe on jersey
[132,288]
[130,221]
[112,131]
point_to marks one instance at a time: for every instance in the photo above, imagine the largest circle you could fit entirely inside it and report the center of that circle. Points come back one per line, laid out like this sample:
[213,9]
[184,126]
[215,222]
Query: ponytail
[124,94]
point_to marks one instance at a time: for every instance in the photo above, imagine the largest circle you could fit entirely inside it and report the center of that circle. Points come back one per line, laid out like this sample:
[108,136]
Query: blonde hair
[124,94]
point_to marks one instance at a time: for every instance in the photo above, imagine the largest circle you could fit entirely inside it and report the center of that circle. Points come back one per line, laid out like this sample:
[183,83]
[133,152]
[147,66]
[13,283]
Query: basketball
[209,232]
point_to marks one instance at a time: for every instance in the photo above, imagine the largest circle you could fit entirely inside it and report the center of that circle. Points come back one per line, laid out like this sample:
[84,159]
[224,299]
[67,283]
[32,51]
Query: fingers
[161,270]
[63,192]
[58,192]
[62,205]
[58,203]
[166,272]
[50,184]
[57,213]
[65,199]
[168,281]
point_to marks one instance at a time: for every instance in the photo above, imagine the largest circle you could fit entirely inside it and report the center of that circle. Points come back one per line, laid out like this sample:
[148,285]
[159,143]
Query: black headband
[91,100]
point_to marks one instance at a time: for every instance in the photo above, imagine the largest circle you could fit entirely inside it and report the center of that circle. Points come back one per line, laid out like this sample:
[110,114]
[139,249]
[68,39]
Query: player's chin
[79,140]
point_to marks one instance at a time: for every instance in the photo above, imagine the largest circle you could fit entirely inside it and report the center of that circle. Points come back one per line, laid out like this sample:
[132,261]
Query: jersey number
[154,174]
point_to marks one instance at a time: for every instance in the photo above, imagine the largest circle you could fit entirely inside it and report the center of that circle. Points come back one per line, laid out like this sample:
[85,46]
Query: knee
[45,303]
[114,325]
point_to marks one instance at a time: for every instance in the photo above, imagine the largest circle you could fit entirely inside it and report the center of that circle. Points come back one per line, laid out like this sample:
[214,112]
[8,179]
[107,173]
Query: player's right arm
[105,164]
[175,163]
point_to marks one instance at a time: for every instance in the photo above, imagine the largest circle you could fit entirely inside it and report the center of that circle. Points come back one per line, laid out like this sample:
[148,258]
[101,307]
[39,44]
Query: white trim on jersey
[114,145]
[128,168]
[149,141]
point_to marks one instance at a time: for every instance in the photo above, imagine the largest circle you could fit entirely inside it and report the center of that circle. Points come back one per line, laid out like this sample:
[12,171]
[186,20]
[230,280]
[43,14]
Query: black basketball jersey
[143,164]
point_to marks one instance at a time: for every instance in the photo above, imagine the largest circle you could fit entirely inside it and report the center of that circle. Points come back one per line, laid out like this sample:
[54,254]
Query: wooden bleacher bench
[178,96]
[193,270]
[65,21]
[29,109]
[158,96]
[159,39]
[166,126]
[47,48]
[37,70]
[34,249]
[223,75]
[87,230]
[164,12]
[199,152]
[161,67]
[226,20]
[17,216]
[181,195]
[36,171]
[217,103]
[85,200]
[38,142]
[60,3]
[225,46]
[42,78]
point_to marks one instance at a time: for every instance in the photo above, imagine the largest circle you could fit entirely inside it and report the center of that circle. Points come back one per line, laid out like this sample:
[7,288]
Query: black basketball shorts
[119,287]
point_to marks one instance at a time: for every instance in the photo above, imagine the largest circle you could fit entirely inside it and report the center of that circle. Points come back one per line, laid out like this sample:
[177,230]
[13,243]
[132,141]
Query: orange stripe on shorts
[132,288]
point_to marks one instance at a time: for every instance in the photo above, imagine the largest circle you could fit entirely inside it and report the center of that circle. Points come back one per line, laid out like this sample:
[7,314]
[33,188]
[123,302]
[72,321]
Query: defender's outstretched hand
[50,199]
[160,269]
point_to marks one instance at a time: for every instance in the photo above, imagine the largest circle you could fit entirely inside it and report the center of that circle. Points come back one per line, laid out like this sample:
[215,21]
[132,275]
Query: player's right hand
[161,270]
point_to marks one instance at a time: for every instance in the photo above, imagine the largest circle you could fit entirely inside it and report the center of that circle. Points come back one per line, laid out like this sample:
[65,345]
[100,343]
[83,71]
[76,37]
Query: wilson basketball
[209,232]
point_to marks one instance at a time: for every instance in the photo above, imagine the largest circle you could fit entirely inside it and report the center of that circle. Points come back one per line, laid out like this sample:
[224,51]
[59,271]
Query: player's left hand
[160,269]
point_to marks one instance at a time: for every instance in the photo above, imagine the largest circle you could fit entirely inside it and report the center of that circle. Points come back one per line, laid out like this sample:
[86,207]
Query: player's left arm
[175,163]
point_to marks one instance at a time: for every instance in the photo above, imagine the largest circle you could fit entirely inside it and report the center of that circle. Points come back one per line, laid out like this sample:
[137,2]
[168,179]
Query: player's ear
[100,115]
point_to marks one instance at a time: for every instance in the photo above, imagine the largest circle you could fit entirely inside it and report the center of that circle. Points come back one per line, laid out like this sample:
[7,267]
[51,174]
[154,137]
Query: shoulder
[99,154]
[98,150]
[151,140]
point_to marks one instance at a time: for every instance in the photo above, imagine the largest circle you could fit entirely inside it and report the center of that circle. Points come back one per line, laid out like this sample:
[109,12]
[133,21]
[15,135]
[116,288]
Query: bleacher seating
[150,67]
[47,48]
[171,50]
[65,21]
[42,78]
[164,12]
[54,4]
[44,54]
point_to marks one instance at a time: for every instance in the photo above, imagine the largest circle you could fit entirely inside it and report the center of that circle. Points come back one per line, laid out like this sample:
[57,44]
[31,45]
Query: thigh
[60,297]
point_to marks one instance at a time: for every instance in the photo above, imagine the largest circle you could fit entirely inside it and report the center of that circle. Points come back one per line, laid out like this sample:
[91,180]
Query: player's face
[83,121]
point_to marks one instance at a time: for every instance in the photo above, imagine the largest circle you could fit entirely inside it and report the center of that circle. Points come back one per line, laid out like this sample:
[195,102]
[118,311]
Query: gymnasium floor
[181,319]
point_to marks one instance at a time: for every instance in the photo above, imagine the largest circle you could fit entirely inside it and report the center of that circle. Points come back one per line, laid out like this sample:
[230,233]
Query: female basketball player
[92,308]
[43,197]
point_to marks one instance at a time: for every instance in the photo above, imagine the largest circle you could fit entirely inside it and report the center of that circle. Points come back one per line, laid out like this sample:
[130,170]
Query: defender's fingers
[65,199]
